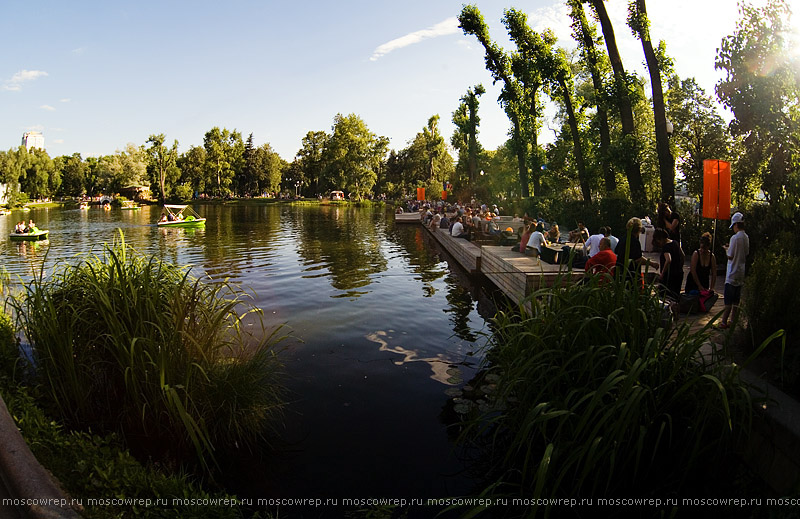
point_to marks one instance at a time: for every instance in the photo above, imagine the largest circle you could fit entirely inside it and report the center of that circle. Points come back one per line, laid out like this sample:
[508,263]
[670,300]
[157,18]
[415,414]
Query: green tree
[224,158]
[39,178]
[596,63]
[192,165]
[657,62]
[555,74]
[73,174]
[162,162]
[353,155]
[426,161]
[310,160]
[624,93]
[124,168]
[267,168]
[700,132]
[465,138]
[762,89]
[512,97]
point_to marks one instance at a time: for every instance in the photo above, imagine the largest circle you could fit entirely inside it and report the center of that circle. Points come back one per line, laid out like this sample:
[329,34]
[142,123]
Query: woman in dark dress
[635,259]
[671,261]
[670,221]
[703,273]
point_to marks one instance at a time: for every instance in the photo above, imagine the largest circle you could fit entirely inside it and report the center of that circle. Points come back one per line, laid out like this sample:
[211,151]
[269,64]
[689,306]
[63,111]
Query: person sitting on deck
[603,262]
[579,235]
[592,245]
[536,241]
[444,223]
[458,230]
[434,223]
[399,210]
[553,234]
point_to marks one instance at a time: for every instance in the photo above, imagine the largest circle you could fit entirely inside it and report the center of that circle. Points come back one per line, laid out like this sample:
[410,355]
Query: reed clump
[126,343]
[598,394]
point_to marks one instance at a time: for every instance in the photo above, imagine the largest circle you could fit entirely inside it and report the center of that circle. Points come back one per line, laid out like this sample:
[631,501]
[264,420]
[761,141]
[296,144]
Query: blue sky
[94,76]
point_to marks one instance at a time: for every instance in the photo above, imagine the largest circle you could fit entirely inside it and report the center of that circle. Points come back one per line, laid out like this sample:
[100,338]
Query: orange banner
[420,193]
[444,195]
[717,189]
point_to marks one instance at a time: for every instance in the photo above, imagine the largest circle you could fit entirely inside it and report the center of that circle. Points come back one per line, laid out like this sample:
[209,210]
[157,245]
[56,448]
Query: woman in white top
[536,241]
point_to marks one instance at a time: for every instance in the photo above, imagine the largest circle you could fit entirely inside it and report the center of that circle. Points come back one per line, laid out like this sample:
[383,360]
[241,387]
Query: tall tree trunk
[583,178]
[523,167]
[631,162]
[473,142]
[536,167]
[666,162]
[609,175]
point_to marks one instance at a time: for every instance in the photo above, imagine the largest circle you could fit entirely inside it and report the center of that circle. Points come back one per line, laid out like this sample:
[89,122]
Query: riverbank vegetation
[595,393]
[124,343]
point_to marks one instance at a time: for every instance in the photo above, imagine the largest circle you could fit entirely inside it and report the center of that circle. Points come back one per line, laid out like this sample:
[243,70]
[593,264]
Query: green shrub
[771,283]
[94,467]
[9,350]
[127,343]
[594,397]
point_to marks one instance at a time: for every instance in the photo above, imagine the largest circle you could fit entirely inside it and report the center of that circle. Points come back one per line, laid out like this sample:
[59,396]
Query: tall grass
[598,395]
[126,343]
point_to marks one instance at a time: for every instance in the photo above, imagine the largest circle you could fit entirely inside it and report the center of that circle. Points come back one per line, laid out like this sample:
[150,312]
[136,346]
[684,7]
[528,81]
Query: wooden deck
[518,276]
[466,253]
[408,218]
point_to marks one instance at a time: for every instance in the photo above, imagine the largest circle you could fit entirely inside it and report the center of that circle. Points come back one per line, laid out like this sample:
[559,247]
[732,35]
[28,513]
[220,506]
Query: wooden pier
[466,253]
[518,276]
[408,217]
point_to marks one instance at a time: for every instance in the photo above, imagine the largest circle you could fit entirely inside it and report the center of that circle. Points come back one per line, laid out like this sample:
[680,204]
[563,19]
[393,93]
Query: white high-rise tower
[33,140]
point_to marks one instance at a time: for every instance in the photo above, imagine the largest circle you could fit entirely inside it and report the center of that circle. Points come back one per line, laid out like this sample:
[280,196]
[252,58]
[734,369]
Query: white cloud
[448,26]
[48,108]
[65,100]
[16,81]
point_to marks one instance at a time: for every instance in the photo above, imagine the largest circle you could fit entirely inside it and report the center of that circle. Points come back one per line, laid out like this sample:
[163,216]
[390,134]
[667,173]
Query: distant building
[33,140]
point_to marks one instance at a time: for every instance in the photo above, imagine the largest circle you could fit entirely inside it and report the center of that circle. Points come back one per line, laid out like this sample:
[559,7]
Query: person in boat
[31,227]
[163,218]
[20,228]
[170,217]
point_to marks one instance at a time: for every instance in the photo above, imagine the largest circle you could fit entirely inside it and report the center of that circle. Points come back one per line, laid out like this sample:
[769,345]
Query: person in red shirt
[603,262]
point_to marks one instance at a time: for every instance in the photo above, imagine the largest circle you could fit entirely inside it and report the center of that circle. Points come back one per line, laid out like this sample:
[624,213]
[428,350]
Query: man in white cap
[737,251]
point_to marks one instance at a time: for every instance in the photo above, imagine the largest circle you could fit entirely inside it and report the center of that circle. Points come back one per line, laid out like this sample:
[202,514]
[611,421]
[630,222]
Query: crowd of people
[603,253]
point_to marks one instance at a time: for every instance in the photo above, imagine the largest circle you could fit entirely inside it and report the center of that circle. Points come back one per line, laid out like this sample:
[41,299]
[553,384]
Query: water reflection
[386,330]
[341,242]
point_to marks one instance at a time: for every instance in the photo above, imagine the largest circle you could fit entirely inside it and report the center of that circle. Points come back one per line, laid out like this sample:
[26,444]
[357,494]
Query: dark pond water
[386,331]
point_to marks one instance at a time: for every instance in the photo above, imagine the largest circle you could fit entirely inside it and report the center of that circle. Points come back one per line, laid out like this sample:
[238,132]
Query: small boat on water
[5,212]
[180,216]
[130,205]
[38,234]
[83,205]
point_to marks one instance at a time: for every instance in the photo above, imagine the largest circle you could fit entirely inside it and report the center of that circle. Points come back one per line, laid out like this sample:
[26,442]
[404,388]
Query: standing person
[671,260]
[634,258]
[670,221]
[737,252]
